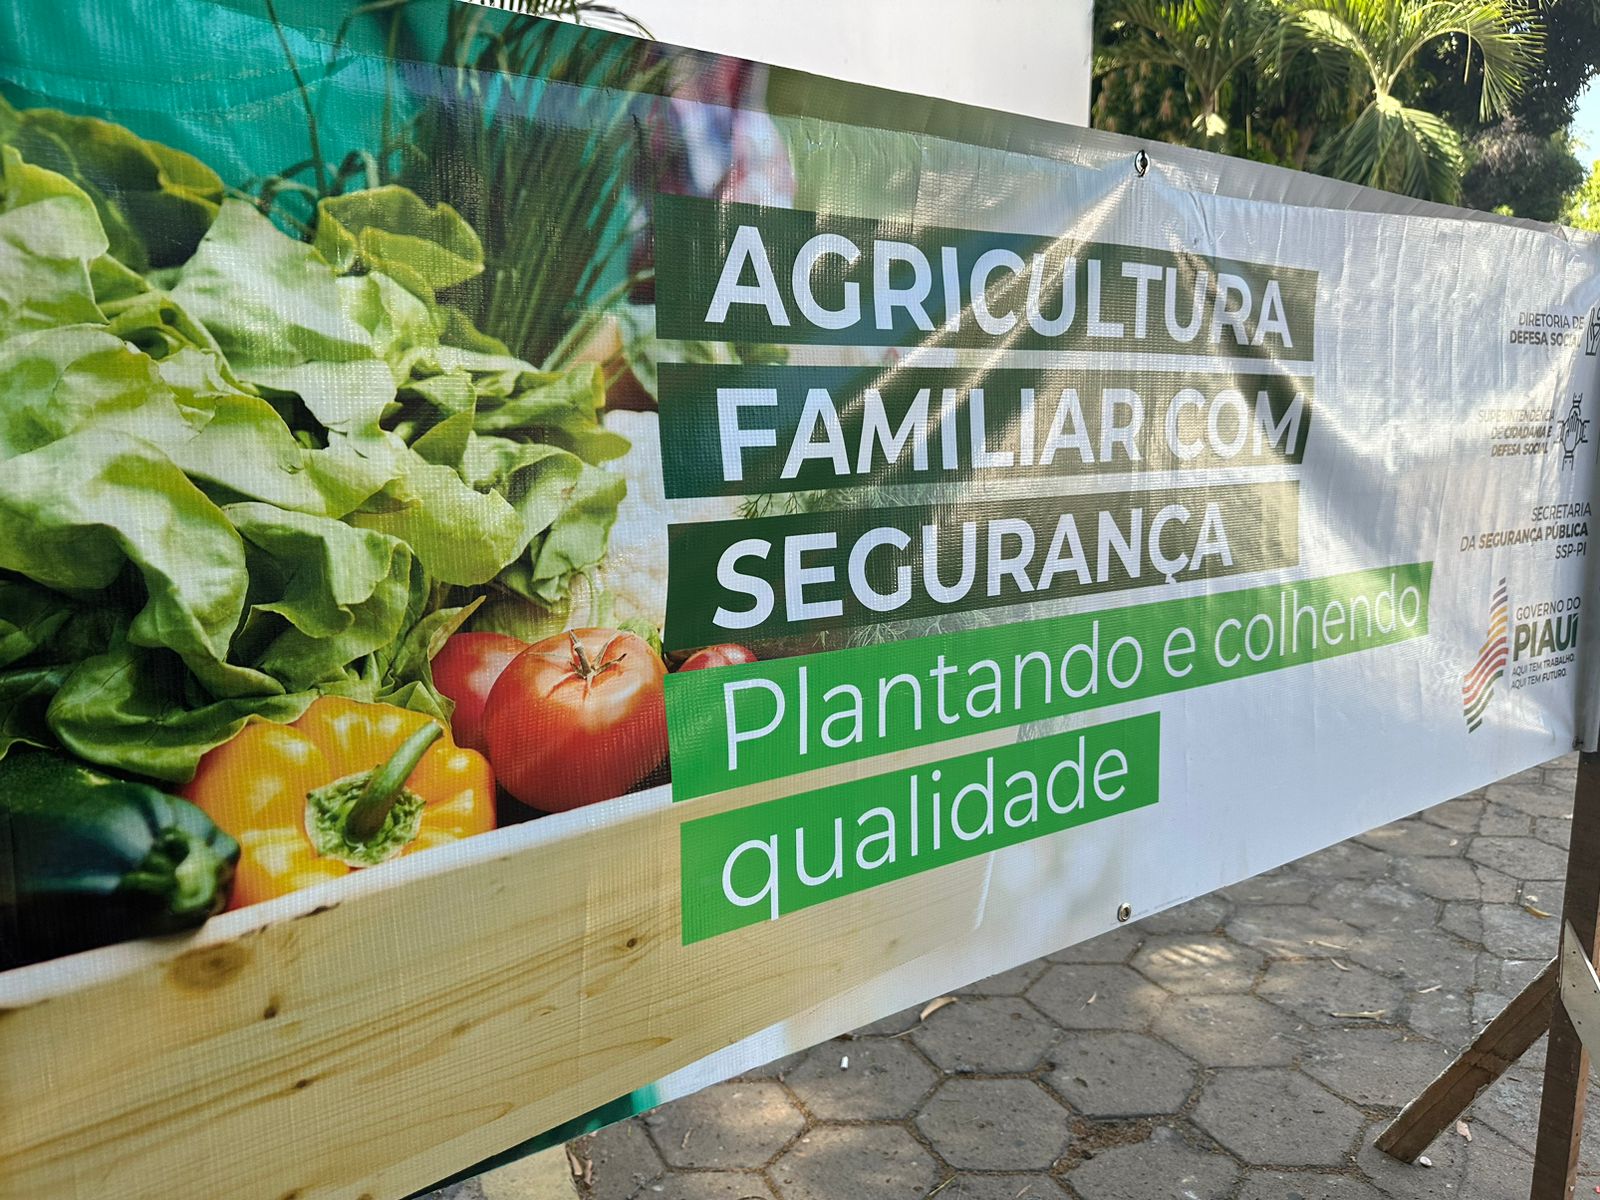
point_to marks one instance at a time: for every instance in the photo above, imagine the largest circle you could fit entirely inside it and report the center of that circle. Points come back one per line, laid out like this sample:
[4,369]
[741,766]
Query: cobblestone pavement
[1248,1045]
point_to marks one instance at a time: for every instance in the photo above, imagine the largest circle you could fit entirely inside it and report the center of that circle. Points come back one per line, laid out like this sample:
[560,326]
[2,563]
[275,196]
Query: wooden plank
[363,1041]
[1580,991]
[1504,1040]
[1566,1073]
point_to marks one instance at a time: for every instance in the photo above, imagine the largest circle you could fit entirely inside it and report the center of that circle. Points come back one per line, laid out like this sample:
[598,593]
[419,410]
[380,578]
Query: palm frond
[1399,149]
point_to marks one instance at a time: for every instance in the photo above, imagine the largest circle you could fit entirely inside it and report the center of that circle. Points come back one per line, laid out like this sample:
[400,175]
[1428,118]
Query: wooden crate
[366,1038]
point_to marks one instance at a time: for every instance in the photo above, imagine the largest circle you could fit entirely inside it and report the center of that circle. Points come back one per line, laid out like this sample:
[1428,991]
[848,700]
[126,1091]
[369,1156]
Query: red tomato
[465,671]
[718,656]
[577,718]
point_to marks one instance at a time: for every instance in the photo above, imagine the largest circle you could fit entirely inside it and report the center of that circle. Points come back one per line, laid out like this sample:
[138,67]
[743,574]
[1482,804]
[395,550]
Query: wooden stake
[1503,1041]
[1566,1071]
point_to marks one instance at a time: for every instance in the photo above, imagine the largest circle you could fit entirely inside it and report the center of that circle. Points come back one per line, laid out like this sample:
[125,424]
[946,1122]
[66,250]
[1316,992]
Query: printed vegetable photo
[326,524]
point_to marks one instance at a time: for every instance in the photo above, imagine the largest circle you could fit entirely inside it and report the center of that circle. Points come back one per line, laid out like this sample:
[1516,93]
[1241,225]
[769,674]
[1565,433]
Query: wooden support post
[1519,1025]
[1566,1071]
[1502,1042]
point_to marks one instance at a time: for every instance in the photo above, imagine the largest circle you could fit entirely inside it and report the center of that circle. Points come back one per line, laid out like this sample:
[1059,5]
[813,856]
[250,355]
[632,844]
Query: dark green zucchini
[87,860]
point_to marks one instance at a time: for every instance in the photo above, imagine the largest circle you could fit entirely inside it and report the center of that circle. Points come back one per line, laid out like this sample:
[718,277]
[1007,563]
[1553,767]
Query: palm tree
[1389,144]
[1205,40]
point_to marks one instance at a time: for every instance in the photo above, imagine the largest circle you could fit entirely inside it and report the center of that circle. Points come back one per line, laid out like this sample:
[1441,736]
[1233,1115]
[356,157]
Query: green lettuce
[242,470]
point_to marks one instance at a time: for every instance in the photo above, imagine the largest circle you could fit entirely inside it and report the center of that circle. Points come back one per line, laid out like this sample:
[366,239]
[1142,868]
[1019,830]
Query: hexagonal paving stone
[886,1080]
[1444,1015]
[873,1162]
[730,1125]
[995,1125]
[1113,946]
[624,1158]
[1456,879]
[1197,964]
[1282,886]
[1420,956]
[1516,974]
[1231,1031]
[999,1035]
[1316,989]
[1413,837]
[1526,775]
[1543,894]
[1499,821]
[1563,779]
[1277,1117]
[1488,1166]
[1097,997]
[1510,1106]
[1374,1066]
[1007,983]
[1202,915]
[1536,800]
[1160,1168]
[1518,857]
[1345,860]
[1377,903]
[1000,1187]
[894,1024]
[776,1069]
[1121,1075]
[708,1185]
[1305,1185]
[1555,831]
[1485,1007]
[1506,930]
[1292,931]
[1459,816]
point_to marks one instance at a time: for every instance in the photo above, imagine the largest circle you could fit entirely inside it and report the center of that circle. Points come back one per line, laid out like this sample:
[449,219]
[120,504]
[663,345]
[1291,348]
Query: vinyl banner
[540,570]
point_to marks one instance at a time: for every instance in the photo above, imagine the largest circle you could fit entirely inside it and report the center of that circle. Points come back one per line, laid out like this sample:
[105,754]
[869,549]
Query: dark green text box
[1047,423]
[760,862]
[696,238]
[924,690]
[1166,534]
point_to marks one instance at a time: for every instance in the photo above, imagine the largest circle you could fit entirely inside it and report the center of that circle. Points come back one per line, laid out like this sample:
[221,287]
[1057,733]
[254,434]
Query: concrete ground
[1246,1046]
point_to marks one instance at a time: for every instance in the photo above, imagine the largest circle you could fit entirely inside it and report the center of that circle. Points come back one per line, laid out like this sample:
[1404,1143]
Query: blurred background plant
[1462,101]
[528,128]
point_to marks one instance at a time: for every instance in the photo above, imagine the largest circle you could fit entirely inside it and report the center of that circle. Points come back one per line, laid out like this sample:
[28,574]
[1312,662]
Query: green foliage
[1528,174]
[554,210]
[1326,84]
[262,473]
[1582,207]
[153,202]
[1392,144]
[1448,80]
[1399,149]
[1204,41]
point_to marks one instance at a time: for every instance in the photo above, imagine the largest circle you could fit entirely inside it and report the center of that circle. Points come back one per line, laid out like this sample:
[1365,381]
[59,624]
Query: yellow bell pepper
[346,786]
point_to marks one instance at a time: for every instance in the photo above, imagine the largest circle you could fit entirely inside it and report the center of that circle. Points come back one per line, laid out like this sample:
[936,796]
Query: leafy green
[575,542]
[153,202]
[323,594]
[429,507]
[390,229]
[78,513]
[242,470]
[49,234]
[58,381]
[269,300]
[135,709]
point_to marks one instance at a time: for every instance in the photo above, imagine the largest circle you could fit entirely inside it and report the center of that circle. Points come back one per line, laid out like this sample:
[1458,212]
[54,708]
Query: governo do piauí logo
[1477,685]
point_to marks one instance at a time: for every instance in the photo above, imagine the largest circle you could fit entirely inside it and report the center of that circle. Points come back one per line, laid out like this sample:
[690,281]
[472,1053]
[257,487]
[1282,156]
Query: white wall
[1026,56]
